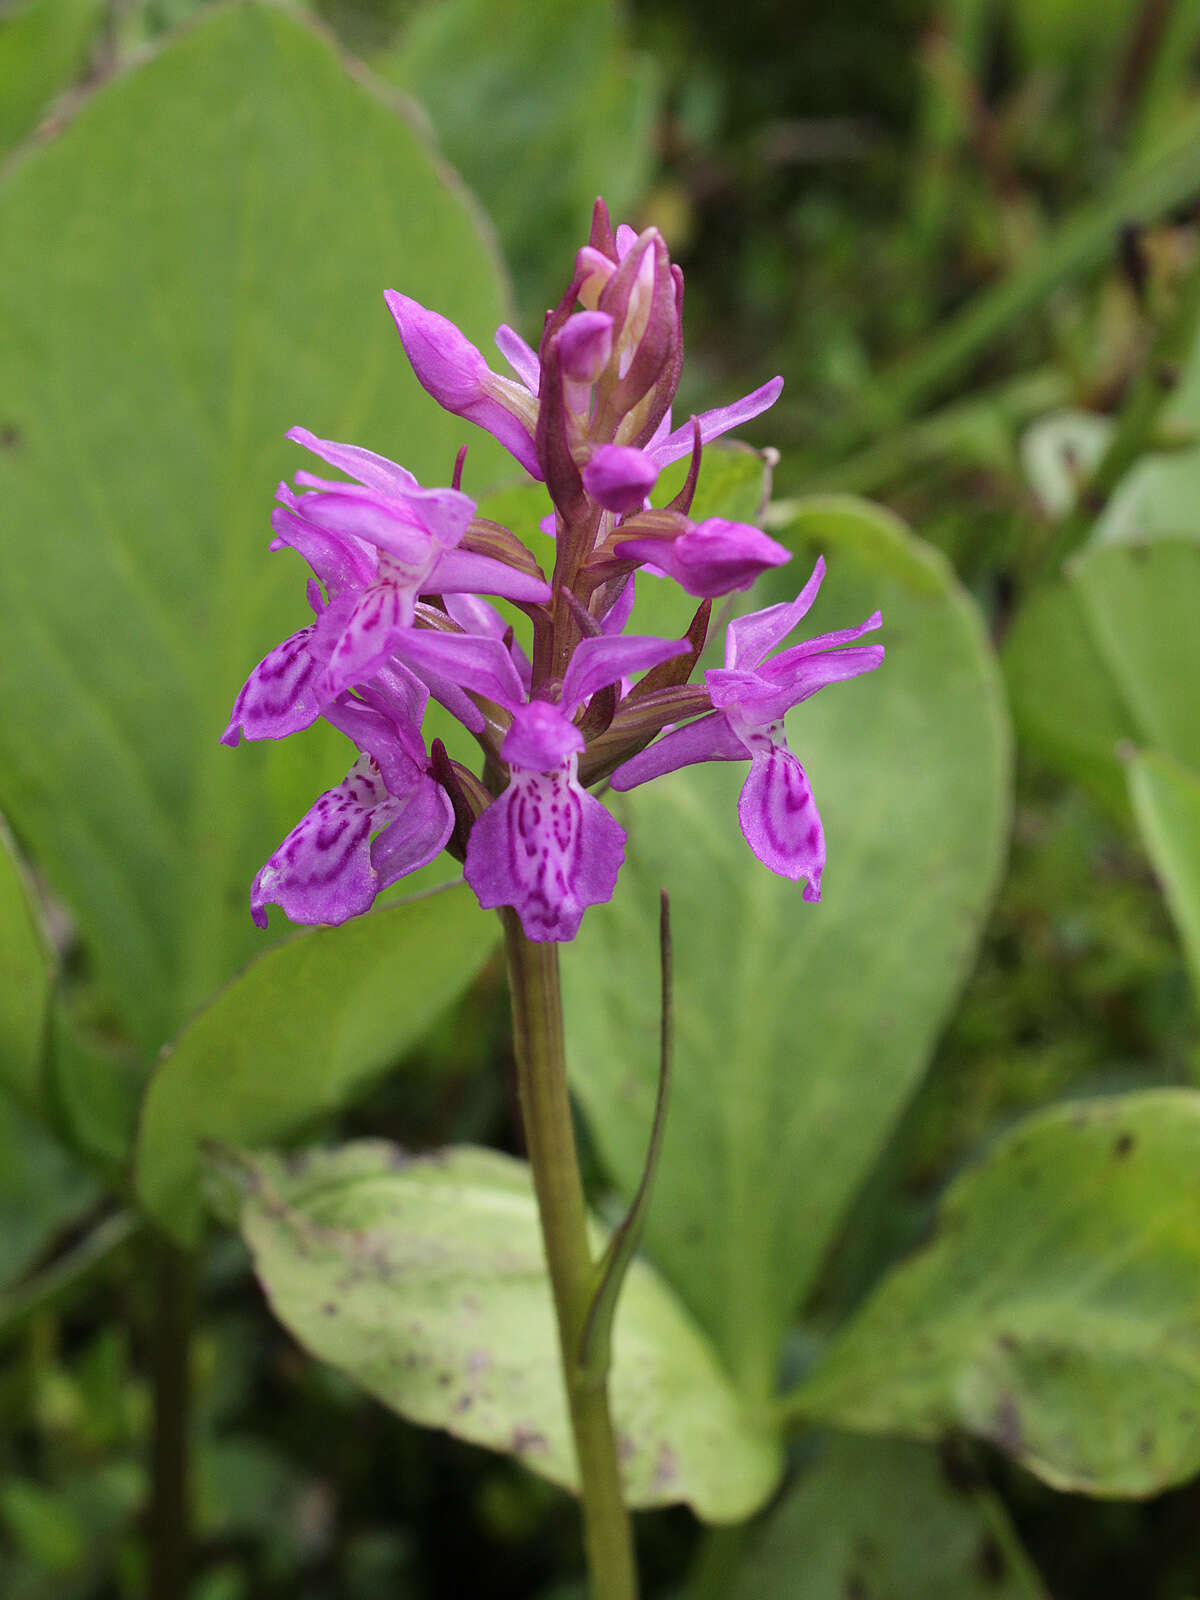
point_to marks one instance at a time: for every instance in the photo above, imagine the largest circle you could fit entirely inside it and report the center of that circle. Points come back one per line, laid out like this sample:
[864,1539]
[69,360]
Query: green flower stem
[550,1141]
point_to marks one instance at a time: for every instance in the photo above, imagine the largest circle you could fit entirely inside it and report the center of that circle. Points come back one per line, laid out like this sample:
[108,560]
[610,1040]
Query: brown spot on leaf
[666,1467]
[856,1587]
[11,437]
[1123,1144]
[1007,1430]
[329,1309]
[991,1561]
[959,1470]
[526,1441]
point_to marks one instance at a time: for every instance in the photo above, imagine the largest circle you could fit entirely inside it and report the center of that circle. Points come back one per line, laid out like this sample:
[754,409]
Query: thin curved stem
[550,1141]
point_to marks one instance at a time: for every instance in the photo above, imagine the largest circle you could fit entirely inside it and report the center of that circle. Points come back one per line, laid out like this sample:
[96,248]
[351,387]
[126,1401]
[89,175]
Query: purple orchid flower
[375,545]
[750,696]
[545,847]
[385,819]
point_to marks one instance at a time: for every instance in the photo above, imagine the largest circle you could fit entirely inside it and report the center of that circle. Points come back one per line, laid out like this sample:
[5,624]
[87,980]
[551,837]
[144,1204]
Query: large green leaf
[800,1030]
[1063,698]
[192,267]
[1056,1312]
[308,1024]
[885,1519]
[26,970]
[426,1281]
[42,49]
[1166,802]
[541,108]
[1142,601]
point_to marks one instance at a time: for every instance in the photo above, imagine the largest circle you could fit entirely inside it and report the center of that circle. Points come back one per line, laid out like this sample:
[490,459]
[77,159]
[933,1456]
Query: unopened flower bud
[585,345]
[619,477]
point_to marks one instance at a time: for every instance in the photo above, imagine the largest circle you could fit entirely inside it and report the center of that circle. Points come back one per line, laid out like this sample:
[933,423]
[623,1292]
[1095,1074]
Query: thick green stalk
[550,1141]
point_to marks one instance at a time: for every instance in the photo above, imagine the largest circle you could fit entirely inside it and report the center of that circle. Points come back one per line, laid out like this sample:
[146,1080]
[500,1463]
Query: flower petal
[779,817]
[585,346]
[322,871]
[376,472]
[748,639]
[417,835]
[714,423]
[608,658]
[340,561]
[449,367]
[619,478]
[402,525]
[540,737]
[548,849]
[783,663]
[394,745]
[521,357]
[481,665]
[708,739]
[464,572]
[367,637]
[282,694]
[710,558]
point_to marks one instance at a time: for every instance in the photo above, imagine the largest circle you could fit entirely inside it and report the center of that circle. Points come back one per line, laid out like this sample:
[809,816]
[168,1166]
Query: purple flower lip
[384,820]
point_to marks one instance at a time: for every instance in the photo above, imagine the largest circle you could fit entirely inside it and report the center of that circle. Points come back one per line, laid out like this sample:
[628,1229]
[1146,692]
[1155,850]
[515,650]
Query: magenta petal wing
[711,558]
[610,657]
[341,561]
[417,834]
[787,659]
[282,694]
[376,472]
[322,871]
[481,665]
[779,817]
[463,572]
[449,367]
[714,423]
[708,739]
[748,639]
[520,356]
[548,849]
[369,635]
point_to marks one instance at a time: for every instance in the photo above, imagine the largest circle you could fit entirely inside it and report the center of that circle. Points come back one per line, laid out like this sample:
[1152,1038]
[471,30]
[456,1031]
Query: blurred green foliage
[963,232]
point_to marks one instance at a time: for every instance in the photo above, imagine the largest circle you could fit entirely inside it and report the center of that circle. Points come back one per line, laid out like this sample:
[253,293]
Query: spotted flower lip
[750,695]
[545,847]
[384,820]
